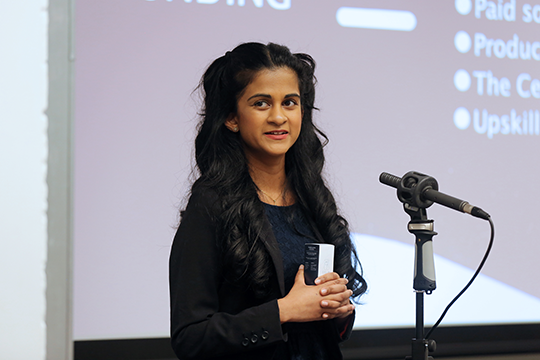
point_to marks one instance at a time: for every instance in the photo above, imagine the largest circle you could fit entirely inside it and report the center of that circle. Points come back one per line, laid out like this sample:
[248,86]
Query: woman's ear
[232,123]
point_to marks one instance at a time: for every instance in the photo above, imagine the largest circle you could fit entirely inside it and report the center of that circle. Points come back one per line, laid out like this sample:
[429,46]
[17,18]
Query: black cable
[470,282]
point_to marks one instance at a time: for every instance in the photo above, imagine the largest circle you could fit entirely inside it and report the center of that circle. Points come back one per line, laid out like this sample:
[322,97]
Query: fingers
[327,277]
[333,289]
[343,310]
[333,284]
[337,305]
[336,300]
[300,275]
[329,300]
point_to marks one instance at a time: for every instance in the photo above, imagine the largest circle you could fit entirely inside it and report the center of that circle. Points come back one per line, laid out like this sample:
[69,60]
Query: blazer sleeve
[344,330]
[199,328]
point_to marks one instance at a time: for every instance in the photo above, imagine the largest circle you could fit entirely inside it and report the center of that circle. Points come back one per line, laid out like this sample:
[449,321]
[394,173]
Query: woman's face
[269,114]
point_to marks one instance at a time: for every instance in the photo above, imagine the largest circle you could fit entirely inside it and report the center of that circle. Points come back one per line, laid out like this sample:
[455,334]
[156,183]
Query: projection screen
[446,88]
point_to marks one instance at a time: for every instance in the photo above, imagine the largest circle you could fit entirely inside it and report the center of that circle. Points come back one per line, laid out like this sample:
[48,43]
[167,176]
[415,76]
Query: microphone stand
[424,276]
[417,192]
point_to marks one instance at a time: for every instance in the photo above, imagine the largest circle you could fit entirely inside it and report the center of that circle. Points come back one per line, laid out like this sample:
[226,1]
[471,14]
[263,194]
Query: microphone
[421,190]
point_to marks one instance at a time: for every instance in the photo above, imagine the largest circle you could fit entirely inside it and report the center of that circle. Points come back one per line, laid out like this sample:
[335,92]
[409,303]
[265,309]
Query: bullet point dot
[462,41]
[463,6]
[462,80]
[462,118]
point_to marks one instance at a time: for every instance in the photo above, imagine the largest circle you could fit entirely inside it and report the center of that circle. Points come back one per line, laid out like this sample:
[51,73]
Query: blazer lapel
[272,246]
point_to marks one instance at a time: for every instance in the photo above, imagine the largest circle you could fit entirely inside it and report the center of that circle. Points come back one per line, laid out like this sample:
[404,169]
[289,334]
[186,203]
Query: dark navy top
[292,231]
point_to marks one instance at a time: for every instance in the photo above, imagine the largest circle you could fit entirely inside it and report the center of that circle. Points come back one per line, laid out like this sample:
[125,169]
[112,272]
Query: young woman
[236,276]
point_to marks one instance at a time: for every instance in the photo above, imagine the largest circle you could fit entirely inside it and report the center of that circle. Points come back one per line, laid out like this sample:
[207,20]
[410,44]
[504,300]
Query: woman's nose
[277,116]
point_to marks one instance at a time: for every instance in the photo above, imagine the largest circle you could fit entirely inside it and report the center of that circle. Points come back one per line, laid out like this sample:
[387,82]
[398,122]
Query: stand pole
[419,315]
[424,276]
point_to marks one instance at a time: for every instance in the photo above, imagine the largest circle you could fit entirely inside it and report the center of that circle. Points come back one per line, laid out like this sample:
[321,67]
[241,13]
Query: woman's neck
[271,180]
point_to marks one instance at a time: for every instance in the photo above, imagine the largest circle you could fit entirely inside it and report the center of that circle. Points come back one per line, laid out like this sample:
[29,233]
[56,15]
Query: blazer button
[254,338]
[245,342]
[265,335]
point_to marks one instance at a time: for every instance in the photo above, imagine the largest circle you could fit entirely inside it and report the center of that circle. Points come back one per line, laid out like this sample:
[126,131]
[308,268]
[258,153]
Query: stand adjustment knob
[432,345]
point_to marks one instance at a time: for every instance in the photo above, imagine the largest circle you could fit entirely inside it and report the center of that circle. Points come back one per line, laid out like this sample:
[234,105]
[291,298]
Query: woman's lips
[277,134]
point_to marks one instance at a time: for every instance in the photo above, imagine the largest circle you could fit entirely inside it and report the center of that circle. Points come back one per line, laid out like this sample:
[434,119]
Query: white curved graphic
[388,269]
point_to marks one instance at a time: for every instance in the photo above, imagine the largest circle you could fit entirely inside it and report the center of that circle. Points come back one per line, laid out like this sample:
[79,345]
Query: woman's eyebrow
[260,95]
[292,95]
[268,96]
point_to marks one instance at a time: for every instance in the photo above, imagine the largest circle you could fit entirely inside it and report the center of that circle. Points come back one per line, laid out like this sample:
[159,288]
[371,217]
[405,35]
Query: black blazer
[212,318]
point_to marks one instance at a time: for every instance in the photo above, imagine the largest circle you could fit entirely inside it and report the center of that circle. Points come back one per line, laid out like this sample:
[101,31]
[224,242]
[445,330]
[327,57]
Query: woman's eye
[260,103]
[290,102]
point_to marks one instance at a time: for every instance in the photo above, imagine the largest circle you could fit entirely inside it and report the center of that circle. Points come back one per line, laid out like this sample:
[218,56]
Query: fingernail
[324,291]
[325,315]
[302,267]
[324,303]
[317,281]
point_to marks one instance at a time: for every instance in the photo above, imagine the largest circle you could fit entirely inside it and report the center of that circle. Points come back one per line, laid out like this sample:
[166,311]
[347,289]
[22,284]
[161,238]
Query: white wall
[23,169]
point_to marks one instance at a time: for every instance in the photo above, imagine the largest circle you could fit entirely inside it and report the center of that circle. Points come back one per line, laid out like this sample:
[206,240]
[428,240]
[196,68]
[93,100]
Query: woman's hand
[328,299]
[341,303]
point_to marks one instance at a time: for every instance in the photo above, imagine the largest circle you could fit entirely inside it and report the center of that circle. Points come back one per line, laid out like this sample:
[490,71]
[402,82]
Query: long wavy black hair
[223,167]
